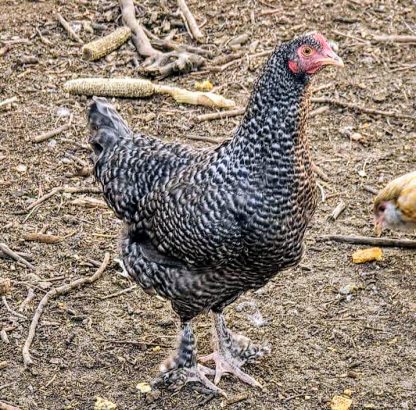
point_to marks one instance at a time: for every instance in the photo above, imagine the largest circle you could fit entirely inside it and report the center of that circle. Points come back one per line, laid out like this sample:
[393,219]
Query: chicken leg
[182,368]
[231,351]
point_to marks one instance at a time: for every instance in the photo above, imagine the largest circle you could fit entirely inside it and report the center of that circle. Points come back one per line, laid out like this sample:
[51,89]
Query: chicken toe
[232,352]
[181,368]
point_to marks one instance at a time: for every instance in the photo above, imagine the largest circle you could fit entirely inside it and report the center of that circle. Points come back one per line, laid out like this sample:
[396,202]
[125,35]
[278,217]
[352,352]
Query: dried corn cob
[110,87]
[130,87]
[105,45]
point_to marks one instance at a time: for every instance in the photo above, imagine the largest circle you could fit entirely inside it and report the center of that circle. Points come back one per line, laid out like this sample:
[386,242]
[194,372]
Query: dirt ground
[323,342]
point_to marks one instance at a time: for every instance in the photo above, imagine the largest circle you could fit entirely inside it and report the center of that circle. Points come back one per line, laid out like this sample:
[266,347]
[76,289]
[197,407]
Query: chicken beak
[330,58]
[378,228]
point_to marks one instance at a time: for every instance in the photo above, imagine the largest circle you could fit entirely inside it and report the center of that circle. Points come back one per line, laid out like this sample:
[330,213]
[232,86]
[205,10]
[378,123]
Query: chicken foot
[231,352]
[182,367]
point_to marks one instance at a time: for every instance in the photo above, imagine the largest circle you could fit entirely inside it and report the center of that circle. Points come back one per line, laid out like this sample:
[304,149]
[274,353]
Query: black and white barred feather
[203,226]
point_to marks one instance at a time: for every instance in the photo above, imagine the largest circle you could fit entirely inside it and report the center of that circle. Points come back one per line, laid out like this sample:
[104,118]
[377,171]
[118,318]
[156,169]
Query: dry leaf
[340,403]
[367,255]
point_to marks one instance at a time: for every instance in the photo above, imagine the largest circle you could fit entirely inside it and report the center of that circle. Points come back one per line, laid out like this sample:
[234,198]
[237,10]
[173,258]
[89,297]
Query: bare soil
[322,342]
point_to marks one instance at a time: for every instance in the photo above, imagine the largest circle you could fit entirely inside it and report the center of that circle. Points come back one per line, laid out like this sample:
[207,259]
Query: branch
[5,406]
[68,29]
[49,134]
[156,62]
[27,360]
[364,240]
[190,21]
[69,190]
[7,251]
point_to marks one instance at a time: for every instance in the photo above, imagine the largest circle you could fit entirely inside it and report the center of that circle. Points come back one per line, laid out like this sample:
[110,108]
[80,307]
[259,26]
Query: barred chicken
[395,204]
[203,226]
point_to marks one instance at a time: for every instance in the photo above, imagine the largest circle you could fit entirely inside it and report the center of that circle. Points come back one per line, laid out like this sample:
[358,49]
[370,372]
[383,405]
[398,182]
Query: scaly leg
[232,351]
[182,367]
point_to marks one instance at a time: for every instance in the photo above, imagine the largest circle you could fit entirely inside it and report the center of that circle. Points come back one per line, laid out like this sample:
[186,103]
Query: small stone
[356,136]
[103,404]
[45,285]
[21,168]
[144,387]
[348,289]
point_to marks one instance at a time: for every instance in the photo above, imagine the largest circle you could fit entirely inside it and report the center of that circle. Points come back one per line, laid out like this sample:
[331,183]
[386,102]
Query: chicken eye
[307,51]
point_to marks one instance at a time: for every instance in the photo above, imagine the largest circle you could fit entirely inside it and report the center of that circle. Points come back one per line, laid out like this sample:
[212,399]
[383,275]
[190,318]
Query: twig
[49,134]
[29,298]
[326,100]
[318,111]
[338,210]
[364,240]
[156,62]
[42,237]
[43,39]
[384,38]
[8,101]
[220,114]
[68,29]
[321,174]
[27,360]
[10,310]
[370,189]
[134,343]
[7,251]
[121,292]
[191,22]
[69,190]
[5,406]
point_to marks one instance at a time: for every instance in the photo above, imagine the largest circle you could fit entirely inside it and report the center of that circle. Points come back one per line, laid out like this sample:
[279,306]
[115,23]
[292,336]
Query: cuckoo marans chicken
[203,226]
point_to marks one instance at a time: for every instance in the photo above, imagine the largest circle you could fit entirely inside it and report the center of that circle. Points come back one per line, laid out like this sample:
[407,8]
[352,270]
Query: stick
[27,360]
[221,114]
[318,111]
[121,292]
[326,100]
[191,22]
[69,190]
[364,240]
[29,298]
[10,310]
[8,101]
[68,29]
[338,210]
[5,406]
[384,38]
[140,40]
[321,174]
[105,45]
[7,251]
[42,237]
[49,134]
[370,189]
